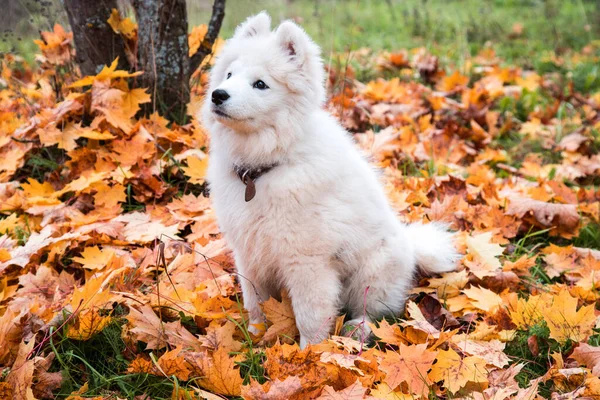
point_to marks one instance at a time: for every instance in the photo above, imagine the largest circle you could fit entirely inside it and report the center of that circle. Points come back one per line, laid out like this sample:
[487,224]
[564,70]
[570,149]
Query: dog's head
[263,76]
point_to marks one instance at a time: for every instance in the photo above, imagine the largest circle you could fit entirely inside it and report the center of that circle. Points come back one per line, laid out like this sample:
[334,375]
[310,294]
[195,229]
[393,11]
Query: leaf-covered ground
[115,281]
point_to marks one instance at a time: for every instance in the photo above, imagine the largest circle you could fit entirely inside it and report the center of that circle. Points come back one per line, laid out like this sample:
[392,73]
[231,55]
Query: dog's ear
[256,25]
[293,41]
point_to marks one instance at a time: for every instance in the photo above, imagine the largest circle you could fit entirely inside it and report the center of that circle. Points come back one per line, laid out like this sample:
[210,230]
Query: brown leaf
[410,364]
[437,315]
[218,372]
[588,356]
[563,216]
[221,337]
[288,360]
[20,376]
[534,347]
[356,391]
[281,314]
[289,388]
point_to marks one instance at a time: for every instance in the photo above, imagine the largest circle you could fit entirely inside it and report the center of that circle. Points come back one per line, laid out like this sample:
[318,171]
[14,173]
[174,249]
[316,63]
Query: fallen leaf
[410,365]
[218,372]
[281,314]
[353,392]
[289,388]
[87,324]
[196,169]
[456,372]
[95,258]
[566,322]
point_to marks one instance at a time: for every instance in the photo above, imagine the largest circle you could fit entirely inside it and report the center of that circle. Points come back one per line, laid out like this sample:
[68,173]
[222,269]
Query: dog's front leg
[314,288]
[253,293]
[253,296]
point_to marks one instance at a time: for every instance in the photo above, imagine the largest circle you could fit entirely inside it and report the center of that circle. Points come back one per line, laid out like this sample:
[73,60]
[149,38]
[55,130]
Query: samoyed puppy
[300,207]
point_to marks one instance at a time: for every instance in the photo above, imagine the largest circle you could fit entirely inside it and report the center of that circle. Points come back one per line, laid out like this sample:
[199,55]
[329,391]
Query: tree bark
[162,46]
[214,26]
[95,42]
[163,54]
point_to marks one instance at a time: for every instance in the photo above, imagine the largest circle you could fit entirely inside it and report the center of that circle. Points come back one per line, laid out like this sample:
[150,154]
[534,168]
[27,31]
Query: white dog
[298,204]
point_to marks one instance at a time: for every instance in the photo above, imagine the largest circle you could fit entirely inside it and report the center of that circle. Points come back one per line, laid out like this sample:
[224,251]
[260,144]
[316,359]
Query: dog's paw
[357,329]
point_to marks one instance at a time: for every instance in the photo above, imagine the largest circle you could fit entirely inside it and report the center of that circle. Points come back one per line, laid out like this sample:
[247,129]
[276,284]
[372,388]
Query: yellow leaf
[454,81]
[485,251]
[132,100]
[108,72]
[10,223]
[196,37]
[77,131]
[141,365]
[565,322]
[87,324]
[95,258]
[531,82]
[217,307]
[196,169]
[390,334]
[35,189]
[4,255]
[383,391]
[82,183]
[109,196]
[123,26]
[483,299]
[529,312]
[450,283]
[456,372]
[92,295]
[64,139]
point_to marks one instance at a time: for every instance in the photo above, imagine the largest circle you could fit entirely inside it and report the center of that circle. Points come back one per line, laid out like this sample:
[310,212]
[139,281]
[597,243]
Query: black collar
[248,175]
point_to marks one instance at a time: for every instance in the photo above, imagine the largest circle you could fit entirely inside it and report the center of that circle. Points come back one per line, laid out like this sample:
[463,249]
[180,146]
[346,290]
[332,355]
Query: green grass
[79,361]
[535,366]
[450,28]
[589,236]
[453,29]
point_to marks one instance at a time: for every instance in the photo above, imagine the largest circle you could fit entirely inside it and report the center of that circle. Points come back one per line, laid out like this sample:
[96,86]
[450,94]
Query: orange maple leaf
[218,372]
[281,314]
[410,365]
[456,372]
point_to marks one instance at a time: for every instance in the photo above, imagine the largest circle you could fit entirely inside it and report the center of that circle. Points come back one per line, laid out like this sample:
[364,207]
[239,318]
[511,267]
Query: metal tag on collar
[250,187]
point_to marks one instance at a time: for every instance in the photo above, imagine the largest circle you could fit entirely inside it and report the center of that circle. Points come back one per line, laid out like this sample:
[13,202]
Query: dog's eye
[228,75]
[260,85]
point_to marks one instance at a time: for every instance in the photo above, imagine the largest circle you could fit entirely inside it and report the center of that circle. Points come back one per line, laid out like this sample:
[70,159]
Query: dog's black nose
[219,96]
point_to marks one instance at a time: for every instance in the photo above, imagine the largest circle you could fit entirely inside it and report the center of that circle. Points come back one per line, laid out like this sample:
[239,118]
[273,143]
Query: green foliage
[452,29]
[589,236]
[535,366]
[101,362]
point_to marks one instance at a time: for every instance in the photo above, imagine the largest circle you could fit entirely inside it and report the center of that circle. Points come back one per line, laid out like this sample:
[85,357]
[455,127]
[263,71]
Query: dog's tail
[433,246]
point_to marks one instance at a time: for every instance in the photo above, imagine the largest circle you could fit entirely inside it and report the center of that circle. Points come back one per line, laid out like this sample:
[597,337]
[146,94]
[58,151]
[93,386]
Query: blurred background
[452,29]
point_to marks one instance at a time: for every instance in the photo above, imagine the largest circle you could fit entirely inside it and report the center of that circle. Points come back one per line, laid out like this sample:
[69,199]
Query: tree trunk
[214,26]
[96,43]
[163,54]
[162,46]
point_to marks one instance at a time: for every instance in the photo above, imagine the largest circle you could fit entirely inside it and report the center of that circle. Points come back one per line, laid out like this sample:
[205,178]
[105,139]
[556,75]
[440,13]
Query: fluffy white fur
[320,225]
